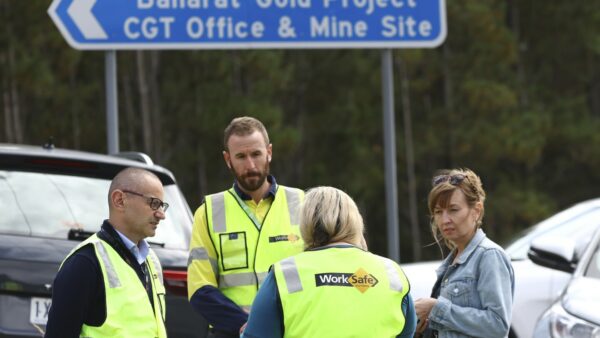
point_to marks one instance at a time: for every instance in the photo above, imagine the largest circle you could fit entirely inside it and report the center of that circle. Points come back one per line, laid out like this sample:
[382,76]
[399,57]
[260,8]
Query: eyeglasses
[455,179]
[153,202]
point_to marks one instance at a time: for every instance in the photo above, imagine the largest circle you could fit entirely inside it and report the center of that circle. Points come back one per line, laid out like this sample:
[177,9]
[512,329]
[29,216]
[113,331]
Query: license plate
[38,313]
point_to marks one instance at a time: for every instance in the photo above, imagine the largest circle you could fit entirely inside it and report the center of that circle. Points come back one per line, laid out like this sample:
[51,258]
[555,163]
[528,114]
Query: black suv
[50,200]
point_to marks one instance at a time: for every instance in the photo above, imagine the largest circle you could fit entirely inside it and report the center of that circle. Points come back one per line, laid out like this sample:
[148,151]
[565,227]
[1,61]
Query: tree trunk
[128,100]
[237,74]
[155,111]
[144,102]
[10,93]
[410,159]
[16,113]
[448,103]
[5,75]
[201,172]
[75,108]
[8,131]
[514,24]
[14,97]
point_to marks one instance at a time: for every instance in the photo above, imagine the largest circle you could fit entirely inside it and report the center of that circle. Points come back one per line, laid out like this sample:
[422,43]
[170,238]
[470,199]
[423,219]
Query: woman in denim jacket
[473,294]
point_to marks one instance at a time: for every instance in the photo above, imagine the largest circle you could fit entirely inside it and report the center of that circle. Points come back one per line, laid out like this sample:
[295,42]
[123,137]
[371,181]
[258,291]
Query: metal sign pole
[389,136]
[112,110]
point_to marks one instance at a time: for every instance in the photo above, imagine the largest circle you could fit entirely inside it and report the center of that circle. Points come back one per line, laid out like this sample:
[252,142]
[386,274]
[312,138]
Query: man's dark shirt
[78,295]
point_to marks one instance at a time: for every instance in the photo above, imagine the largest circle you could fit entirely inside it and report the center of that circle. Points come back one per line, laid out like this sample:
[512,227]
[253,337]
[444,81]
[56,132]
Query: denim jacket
[476,293]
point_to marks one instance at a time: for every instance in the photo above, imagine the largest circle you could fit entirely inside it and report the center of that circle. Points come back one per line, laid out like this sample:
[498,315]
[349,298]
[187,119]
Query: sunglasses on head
[455,179]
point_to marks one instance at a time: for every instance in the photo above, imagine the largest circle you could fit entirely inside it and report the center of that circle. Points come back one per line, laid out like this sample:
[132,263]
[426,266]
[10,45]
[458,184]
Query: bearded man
[239,233]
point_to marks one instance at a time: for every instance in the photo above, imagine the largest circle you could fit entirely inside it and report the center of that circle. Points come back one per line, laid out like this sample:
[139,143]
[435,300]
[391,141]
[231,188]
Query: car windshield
[593,268]
[578,222]
[50,205]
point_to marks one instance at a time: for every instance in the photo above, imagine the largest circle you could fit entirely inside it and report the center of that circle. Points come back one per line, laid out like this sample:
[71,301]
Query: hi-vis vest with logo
[128,309]
[245,252]
[341,292]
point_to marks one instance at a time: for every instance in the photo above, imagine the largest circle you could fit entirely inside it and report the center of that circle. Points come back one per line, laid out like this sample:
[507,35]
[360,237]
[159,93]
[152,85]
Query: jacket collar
[464,256]
[475,241]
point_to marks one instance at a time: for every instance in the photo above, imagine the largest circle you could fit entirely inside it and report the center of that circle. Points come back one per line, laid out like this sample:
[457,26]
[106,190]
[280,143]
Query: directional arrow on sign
[81,13]
[77,22]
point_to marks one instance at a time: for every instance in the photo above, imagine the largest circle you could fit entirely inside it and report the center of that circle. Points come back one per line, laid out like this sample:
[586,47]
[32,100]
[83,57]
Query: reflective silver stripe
[113,279]
[393,274]
[218,212]
[157,266]
[290,273]
[261,277]
[215,266]
[293,202]
[246,308]
[201,254]
[238,279]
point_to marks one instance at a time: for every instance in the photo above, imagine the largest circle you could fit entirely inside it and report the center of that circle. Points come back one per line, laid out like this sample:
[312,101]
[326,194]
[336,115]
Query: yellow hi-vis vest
[246,252]
[341,292]
[128,310]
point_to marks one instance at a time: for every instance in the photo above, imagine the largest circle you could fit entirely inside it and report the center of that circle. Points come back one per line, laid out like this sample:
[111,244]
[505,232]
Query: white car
[536,287]
[575,313]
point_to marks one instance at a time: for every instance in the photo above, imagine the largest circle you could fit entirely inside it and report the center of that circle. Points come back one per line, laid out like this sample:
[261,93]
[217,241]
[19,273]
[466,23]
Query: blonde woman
[335,288]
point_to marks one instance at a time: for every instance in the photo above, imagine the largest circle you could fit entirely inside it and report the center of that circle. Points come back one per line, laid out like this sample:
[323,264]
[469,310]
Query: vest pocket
[234,250]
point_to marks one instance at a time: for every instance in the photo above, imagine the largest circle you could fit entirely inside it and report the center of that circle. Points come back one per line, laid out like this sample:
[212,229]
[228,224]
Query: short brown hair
[242,126]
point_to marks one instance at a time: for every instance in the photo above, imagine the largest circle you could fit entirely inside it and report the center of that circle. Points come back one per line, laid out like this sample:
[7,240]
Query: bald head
[132,200]
[133,179]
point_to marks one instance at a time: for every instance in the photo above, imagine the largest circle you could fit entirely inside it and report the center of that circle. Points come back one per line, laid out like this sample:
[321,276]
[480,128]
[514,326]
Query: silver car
[536,287]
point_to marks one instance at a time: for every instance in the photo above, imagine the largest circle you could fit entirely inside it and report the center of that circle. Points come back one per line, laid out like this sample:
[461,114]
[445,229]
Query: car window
[49,205]
[593,269]
[577,223]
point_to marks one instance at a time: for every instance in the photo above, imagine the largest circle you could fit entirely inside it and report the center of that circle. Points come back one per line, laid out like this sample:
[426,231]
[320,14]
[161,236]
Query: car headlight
[565,325]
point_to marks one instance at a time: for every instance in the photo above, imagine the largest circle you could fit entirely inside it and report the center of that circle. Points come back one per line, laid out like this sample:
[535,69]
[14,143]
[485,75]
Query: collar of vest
[108,234]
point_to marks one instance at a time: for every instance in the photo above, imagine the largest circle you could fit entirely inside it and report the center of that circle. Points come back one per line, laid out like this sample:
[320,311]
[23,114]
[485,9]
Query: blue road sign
[248,24]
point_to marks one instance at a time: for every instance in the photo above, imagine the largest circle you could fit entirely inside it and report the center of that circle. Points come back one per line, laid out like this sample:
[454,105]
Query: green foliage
[513,93]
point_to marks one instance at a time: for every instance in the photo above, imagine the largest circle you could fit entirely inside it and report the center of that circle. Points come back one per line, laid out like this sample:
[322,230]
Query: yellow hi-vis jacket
[233,253]
[128,309]
[341,292]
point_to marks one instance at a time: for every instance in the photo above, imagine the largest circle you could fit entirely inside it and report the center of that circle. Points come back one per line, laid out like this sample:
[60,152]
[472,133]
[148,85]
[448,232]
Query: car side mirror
[554,253]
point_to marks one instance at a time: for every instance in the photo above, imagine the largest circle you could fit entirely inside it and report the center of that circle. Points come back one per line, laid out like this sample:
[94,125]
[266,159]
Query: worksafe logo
[284,238]
[361,279]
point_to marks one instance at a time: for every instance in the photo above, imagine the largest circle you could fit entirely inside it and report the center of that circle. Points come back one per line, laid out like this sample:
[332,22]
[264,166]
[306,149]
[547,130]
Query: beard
[253,180]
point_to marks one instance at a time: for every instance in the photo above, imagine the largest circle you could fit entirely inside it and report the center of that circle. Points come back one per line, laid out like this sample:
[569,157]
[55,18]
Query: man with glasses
[111,284]
[239,233]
